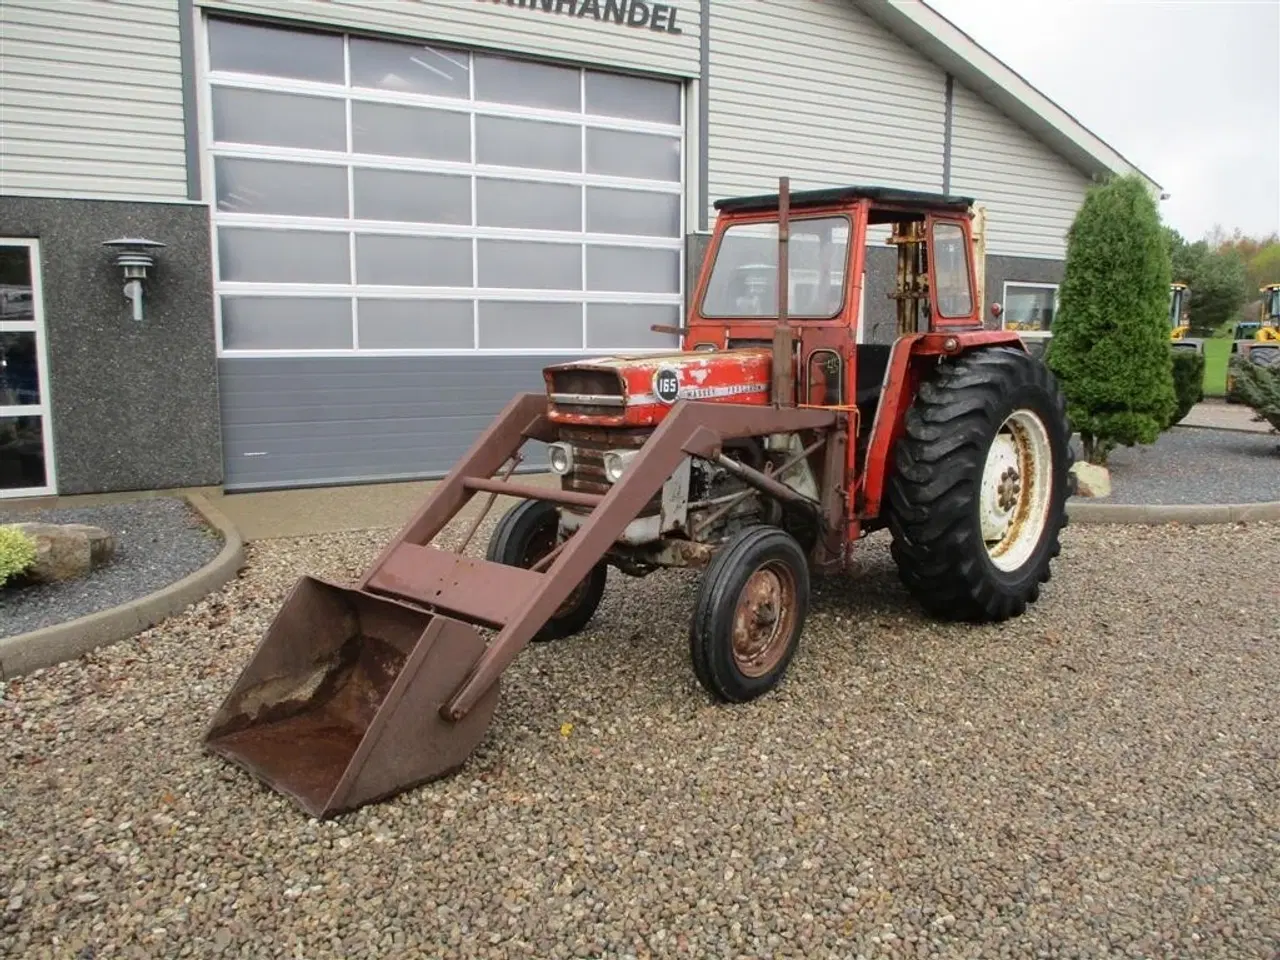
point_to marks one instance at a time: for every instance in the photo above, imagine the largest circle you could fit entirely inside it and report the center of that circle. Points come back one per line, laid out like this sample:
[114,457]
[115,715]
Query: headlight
[560,456]
[616,463]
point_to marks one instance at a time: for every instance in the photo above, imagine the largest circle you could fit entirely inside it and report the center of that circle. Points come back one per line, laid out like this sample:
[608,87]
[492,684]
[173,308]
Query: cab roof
[827,196]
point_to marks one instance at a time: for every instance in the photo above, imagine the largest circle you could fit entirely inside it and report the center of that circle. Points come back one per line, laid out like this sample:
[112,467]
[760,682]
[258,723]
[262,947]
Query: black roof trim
[829,195]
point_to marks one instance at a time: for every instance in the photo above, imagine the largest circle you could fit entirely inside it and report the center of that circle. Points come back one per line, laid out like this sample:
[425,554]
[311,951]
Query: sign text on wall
[659,17]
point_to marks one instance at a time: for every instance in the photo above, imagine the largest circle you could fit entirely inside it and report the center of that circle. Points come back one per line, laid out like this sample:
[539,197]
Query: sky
[1187,90]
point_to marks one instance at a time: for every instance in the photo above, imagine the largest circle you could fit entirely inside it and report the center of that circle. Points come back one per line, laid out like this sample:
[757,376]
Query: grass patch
[1216,353]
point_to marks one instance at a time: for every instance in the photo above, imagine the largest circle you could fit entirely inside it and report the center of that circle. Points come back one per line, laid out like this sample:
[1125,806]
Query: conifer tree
[1110,345]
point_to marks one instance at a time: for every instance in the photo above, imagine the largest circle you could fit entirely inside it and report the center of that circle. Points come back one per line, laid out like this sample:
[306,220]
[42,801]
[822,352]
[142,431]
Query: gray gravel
[1096,779]
[1197,465]
[159,541]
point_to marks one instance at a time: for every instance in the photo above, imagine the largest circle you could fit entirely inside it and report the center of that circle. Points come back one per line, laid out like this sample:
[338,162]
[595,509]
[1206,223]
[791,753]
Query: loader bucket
[340,703]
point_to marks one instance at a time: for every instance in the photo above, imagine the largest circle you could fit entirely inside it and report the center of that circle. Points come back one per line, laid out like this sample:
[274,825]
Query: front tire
[976,500]
[750,611]
[527,533]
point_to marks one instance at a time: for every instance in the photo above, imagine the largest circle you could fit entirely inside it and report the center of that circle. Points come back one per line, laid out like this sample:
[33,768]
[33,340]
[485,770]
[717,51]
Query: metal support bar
[763,481]
[733,499]
[528,491]
[690,424]
[488,504]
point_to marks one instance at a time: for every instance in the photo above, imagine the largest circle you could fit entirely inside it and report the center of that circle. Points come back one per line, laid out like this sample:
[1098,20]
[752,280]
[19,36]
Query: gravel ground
[1197,465]
[1096,779]
[159,541]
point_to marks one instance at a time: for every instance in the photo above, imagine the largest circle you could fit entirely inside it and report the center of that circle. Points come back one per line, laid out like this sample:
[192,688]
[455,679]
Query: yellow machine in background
[1179,310]
[1269,331]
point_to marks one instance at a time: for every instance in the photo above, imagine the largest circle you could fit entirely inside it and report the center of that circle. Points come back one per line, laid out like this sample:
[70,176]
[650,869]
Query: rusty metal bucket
[340,703]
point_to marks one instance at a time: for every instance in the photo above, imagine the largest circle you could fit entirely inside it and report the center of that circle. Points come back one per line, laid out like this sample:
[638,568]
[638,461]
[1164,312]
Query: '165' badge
[666,384]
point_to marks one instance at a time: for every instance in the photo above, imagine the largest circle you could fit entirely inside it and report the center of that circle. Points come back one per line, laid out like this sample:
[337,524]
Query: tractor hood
[639,391]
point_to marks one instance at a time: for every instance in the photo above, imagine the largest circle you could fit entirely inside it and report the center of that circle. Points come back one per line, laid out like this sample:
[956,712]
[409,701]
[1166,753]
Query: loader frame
[360,691]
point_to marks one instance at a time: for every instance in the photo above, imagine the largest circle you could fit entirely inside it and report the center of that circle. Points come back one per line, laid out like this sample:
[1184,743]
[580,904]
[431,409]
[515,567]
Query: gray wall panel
[332,420]
[135,405]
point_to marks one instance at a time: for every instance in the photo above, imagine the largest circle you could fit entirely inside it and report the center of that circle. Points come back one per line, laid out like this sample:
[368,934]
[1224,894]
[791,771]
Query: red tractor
[760,452]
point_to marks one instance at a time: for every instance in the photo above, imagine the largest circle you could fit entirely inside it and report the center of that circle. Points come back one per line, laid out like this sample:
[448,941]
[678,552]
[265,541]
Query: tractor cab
[812,322]
[1269,328]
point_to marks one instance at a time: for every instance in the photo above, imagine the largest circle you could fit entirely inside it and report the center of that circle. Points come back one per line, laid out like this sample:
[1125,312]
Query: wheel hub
[1014,495]
[762,621]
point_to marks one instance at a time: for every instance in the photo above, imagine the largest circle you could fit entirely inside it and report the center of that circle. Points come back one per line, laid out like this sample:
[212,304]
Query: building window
[1029,308]
[399,197]
[26,440]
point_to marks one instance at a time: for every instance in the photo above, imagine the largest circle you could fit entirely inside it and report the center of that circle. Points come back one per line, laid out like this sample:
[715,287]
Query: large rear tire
[750,611]
[976,497]
[527,533]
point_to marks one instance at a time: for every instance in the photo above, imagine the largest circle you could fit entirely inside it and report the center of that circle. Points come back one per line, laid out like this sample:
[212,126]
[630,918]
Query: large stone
[65,551]
[1092,480]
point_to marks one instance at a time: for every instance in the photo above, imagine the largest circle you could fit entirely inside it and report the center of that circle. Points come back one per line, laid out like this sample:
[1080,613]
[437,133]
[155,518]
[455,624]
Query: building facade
[381,218]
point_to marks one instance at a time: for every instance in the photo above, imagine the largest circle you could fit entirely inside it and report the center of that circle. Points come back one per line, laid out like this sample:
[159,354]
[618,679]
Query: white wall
[91,90]
[1031,193]
[91,99]
[817,91]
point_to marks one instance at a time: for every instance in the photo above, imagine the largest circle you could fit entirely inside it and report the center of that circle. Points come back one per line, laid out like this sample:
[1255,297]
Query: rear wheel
[976,500]
[750,610]
[526,534]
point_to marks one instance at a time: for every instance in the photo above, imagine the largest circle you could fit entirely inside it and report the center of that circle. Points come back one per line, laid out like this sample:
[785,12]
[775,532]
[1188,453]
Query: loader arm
[356,693]
[693,428]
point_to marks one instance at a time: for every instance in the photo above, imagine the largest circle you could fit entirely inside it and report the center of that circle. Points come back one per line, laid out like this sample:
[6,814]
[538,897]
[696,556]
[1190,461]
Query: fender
[908,361]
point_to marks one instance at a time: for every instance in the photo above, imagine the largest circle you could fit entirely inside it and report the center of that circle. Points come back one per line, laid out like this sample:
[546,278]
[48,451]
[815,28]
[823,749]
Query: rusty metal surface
[488,593]
[305,753]
[524,417]
[340,703]
[528,491]
[643,479]
[764,618]
[488,504]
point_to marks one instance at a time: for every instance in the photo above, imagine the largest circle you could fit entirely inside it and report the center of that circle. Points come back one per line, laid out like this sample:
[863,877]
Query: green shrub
[1110,346]
[1188,381]
[17,552]
[1259,388]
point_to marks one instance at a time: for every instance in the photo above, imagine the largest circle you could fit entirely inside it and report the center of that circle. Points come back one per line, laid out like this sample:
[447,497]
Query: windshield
[744,278]
[1273,303]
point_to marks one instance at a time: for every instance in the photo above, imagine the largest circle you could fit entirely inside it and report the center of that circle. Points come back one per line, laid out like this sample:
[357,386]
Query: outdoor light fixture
[134,256]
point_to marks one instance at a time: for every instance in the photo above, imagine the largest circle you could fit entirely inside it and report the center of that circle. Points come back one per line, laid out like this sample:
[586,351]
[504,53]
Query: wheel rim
[764,619]
[538,547]
[1016,480]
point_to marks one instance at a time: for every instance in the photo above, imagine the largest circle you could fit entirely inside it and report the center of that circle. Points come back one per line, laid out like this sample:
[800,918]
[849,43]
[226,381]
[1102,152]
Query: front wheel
[527,533]
[749,614]
[976,500]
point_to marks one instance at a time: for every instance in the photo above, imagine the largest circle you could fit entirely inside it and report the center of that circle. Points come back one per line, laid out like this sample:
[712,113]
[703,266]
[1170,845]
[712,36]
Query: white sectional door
[396,198]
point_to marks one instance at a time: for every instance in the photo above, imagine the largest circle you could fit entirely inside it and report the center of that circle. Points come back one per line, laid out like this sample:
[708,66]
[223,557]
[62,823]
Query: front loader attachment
[340,703]
[358,692]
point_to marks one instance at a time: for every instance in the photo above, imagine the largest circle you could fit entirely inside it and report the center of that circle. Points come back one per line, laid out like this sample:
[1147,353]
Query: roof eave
[942,42]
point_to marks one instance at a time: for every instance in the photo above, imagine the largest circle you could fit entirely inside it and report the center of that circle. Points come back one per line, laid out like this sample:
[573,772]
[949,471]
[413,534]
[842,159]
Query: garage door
[405,234]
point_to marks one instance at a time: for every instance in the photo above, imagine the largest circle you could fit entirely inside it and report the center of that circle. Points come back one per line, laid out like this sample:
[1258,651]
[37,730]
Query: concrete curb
[1190,513]
[47,646]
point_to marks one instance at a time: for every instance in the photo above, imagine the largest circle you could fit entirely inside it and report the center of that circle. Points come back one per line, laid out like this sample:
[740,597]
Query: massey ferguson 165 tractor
[760,452]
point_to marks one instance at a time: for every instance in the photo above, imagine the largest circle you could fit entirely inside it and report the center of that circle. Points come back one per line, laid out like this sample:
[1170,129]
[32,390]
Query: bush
[1110,346]
[1188,381]
[17,552]
[1259,388]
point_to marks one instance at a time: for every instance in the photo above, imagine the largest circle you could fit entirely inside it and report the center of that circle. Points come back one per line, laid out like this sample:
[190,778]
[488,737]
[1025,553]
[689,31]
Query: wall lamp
[133,256]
